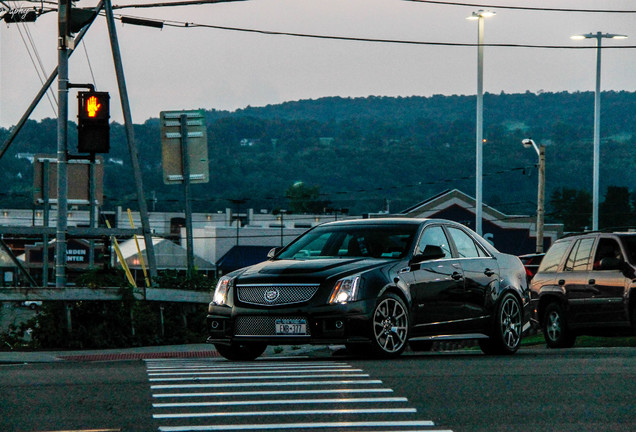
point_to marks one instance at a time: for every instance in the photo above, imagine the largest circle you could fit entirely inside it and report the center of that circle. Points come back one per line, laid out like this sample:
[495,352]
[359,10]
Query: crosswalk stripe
[265,384]
[281,402]
[288,412]
[274,392]
[251,371]
[316,425]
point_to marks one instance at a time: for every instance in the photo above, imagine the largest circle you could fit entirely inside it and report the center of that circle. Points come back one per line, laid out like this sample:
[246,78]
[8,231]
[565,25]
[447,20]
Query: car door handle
[457,276]
[488,272]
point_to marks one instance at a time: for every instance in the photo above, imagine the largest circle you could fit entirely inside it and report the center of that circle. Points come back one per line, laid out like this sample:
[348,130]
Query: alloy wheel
[390,325]
[553,325]
[510,322]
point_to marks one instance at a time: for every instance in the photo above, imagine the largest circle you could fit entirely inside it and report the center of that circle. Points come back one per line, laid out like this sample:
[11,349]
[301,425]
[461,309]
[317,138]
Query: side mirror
[431,252]
[273,252]
[611,263]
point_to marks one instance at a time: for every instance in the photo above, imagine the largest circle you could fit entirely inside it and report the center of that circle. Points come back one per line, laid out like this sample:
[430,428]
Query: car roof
[597,233]
[390,221]
[377,221]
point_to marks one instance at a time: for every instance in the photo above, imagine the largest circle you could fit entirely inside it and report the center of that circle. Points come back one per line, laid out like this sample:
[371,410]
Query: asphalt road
[536,390]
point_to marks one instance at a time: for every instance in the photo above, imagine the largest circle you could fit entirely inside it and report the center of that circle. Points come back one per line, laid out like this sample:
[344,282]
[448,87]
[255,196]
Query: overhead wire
[39,70]
[88,60]
[524,8]
[191,25]
[172,4]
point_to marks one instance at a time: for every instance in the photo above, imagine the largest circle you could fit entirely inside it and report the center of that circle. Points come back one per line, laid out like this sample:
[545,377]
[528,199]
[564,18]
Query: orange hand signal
[92,107]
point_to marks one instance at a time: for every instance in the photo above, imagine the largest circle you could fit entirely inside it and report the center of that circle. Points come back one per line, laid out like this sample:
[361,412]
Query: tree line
[373,154]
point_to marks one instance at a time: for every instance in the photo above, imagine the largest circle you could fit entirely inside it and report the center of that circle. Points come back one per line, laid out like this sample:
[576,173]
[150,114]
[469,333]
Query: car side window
[580,255]
[434,236]
[553,257]
[607,248]
[629,242]
[466,247]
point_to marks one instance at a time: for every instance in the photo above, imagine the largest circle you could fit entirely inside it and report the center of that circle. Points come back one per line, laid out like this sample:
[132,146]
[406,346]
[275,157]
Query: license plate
[291,327]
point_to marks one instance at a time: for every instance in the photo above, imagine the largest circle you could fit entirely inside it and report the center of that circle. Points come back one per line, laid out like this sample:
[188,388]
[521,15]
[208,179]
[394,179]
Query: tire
[390,326]
[507,327]
[241,352]
[555,328]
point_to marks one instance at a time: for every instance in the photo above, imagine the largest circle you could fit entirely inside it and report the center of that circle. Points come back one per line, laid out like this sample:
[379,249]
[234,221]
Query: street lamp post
[597,118]
[541,190]
[479,138]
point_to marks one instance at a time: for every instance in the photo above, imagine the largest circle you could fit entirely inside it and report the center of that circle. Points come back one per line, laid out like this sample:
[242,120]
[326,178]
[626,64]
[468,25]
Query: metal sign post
[184,151]
[185,164]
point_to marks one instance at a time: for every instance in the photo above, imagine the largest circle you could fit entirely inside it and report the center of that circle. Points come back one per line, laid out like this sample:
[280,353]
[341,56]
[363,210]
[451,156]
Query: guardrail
[102,294]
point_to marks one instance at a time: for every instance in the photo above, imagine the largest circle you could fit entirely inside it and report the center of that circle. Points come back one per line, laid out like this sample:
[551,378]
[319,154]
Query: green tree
[615,211]
[305,199]
[573,208]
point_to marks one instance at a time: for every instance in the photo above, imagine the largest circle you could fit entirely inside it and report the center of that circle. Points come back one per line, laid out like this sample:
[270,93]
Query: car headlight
[345,290]
[220,292]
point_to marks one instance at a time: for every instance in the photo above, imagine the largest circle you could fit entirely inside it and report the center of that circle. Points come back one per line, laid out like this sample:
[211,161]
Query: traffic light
[93,130]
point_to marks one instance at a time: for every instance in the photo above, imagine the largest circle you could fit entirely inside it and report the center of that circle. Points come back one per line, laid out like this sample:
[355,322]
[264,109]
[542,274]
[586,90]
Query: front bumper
[325,324]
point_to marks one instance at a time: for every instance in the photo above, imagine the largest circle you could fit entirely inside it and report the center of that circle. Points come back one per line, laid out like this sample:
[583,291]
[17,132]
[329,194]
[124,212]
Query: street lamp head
[598,36]
[480,14]
[527,143]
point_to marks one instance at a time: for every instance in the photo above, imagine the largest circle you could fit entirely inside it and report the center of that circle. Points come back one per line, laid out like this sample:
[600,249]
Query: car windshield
[629,241]
[345,241]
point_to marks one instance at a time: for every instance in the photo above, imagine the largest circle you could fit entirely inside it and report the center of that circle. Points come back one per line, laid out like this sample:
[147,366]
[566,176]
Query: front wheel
[390,326]
[241,352]
[555,328]
[505,336]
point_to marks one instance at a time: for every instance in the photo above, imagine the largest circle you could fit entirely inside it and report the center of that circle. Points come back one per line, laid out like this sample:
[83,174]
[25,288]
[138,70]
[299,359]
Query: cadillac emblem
[271,295]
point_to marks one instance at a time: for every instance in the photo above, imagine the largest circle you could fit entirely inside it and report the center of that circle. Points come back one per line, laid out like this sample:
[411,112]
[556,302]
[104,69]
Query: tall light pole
[541,190]
[479,138]
[597,118]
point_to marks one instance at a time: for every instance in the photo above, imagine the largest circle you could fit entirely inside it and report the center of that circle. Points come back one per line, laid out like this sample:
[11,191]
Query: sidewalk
[151,352]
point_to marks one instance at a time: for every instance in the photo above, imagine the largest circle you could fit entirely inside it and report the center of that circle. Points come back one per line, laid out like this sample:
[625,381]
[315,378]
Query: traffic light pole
[62,144]
[130,135]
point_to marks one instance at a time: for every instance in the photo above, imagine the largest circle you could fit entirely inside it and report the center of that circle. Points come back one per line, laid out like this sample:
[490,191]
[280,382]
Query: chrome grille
[260,325]
[276,295]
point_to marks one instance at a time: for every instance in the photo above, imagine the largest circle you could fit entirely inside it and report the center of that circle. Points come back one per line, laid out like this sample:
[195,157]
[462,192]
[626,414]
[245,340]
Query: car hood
[306,271]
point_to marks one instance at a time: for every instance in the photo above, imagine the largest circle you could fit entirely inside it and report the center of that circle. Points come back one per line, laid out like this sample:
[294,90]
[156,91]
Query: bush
[114,324]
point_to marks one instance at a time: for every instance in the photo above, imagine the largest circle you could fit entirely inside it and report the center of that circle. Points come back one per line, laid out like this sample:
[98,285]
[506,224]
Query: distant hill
[365,152]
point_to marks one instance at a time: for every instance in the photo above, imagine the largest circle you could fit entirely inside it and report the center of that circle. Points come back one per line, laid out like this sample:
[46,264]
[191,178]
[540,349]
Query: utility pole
[130,136]
[64,15]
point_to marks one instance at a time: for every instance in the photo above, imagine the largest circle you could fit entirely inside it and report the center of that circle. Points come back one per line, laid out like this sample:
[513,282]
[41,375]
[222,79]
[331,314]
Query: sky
[191,68]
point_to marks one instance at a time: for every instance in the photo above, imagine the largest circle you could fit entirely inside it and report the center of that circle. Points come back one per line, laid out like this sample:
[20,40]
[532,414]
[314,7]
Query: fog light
[339,324]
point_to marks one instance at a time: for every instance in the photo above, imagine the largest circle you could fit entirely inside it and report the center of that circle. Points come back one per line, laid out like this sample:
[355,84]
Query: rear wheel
[505,336]
[241,352]
[555,328]
[390,326]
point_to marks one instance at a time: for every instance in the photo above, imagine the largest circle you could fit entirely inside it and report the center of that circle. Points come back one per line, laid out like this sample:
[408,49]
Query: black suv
[586,284]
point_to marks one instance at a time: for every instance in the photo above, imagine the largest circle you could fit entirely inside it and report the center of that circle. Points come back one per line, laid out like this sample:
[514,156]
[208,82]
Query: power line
[525,8]
[189,25]
[172,4]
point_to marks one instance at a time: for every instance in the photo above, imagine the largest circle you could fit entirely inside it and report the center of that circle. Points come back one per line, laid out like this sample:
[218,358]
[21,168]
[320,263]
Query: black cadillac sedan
[374,285]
